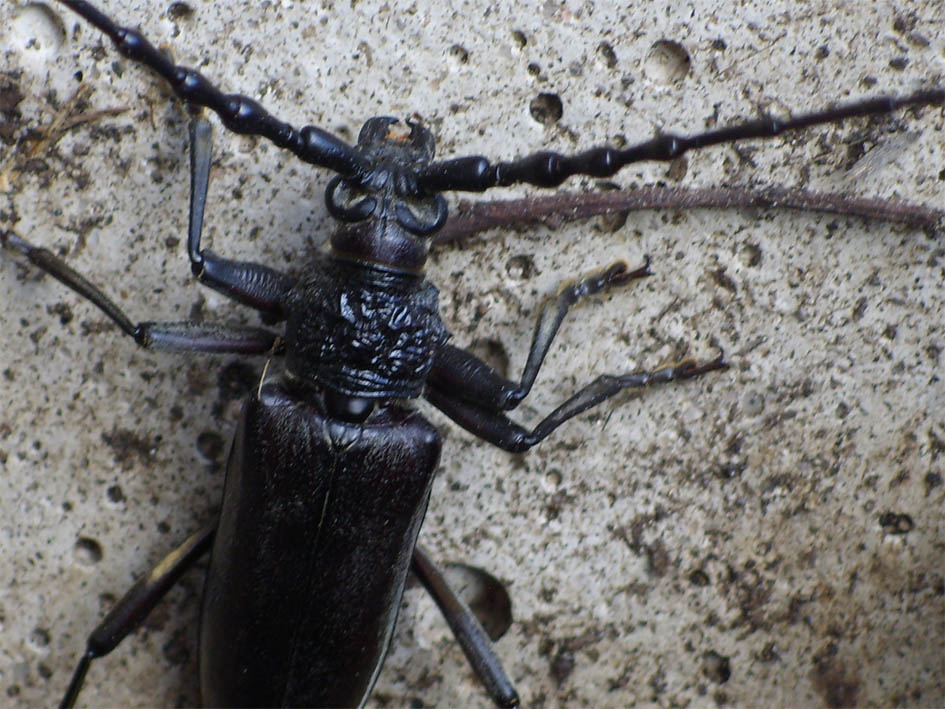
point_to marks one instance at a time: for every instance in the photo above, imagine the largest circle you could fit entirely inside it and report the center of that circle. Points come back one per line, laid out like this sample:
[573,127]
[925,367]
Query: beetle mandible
[619,517]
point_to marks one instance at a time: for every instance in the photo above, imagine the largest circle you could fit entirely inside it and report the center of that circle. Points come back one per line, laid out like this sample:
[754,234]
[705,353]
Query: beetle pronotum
[833,406]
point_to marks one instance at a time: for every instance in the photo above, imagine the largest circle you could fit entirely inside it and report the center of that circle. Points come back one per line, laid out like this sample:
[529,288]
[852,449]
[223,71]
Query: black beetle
[708,275]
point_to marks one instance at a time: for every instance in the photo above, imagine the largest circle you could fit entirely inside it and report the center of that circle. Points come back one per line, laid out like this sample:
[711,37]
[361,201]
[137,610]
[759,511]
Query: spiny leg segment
[472,394]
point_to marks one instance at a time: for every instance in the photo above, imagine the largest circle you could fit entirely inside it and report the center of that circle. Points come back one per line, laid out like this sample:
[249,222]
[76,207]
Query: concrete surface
[724,541]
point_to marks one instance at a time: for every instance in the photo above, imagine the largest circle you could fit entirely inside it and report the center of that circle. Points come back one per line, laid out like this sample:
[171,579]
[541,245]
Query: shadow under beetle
[330,469]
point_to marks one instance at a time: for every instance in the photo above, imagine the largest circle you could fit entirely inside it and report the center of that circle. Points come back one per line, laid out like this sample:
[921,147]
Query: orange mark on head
[398,132]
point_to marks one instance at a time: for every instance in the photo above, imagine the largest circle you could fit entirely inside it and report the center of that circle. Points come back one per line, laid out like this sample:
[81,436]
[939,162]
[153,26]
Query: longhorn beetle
[132,305]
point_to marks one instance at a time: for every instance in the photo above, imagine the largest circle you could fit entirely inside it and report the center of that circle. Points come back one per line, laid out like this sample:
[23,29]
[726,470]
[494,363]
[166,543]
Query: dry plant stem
[469,218]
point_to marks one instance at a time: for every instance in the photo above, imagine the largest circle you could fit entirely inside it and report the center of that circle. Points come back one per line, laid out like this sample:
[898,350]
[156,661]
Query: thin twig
[470,218]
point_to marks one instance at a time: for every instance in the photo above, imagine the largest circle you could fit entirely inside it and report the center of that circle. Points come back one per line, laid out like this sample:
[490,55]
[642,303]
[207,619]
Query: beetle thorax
[364,331]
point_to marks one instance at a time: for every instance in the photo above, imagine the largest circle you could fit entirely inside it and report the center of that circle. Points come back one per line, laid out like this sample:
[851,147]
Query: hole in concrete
[115,494]
[37,31]
[87,551]
[546,108]
[667,62]
[459,54]
[493,353]
[716,667]
[210,445]
[896,523]
[39,638]
[607,55]
[484,594]
[520,267]
[179,10]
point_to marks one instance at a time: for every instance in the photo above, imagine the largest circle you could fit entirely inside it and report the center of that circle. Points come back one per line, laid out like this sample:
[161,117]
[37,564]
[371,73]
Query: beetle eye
[343,204]
[433,217]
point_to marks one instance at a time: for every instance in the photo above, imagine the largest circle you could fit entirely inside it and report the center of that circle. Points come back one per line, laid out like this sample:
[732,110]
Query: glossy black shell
[318,524]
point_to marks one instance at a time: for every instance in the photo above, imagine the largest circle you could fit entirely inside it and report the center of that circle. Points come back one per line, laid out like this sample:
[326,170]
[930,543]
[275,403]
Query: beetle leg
[137,603]
[466,376]
[495,427]
[467,629]
[252,284]
[169,336]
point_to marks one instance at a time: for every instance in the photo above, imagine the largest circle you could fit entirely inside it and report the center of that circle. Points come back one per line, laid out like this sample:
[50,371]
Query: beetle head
[388,210]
